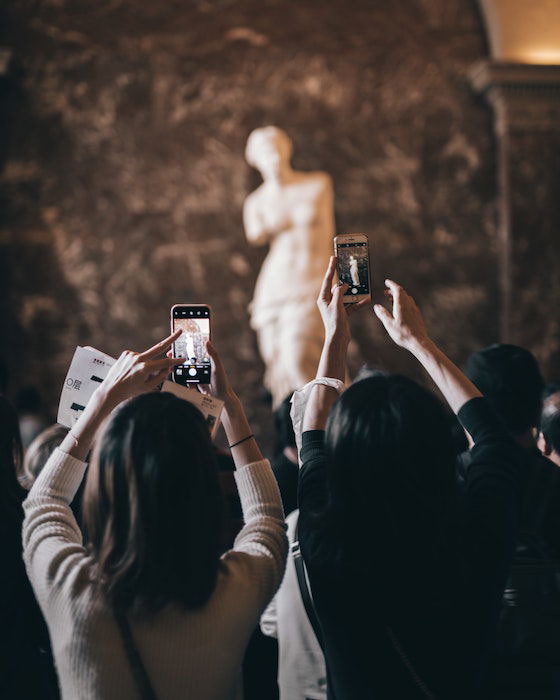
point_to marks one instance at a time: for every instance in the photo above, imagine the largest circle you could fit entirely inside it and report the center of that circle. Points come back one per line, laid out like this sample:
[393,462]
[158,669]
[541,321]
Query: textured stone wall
[124,175]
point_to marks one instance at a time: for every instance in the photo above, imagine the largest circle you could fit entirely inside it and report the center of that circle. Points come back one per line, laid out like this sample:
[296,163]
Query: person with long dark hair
[148,607]
[406,573]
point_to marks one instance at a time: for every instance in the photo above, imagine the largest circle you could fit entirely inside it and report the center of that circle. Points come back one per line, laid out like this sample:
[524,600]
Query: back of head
[153,506]
[41,449]
[550,426]
[509,377]
[390,458]
[551,389]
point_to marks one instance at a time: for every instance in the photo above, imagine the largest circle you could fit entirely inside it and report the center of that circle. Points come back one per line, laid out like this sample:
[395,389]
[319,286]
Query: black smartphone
[194,321]
[352,265]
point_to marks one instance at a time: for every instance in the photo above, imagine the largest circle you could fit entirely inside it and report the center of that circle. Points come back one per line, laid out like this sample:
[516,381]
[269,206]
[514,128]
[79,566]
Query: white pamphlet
[88,369]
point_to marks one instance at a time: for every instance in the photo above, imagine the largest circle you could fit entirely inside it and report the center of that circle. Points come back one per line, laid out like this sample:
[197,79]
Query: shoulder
[242,571]
[319,178]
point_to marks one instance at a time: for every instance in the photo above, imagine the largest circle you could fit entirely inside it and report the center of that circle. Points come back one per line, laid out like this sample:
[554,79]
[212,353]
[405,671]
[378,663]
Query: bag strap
[139,672]
[303,583]
[397,646]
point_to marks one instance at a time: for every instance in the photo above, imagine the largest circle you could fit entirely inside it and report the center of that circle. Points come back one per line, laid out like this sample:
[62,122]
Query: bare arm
[333,358]
[407,329]
[237,428]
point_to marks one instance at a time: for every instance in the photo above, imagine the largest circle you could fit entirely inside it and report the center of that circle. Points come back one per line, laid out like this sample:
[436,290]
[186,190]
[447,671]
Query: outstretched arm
[407,329]
[333,358]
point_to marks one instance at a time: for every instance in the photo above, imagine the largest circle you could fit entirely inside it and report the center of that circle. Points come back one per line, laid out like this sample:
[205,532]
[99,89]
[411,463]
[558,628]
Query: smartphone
[352,265]
[194,321]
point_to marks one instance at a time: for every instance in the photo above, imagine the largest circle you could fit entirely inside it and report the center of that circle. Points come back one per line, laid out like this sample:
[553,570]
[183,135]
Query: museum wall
[123,180]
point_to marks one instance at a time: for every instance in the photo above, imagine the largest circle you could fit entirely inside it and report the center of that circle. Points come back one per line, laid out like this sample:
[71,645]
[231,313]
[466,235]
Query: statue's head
[269,149]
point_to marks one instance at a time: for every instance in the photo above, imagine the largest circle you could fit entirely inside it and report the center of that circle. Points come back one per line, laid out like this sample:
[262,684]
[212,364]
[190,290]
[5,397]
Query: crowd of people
[397,546]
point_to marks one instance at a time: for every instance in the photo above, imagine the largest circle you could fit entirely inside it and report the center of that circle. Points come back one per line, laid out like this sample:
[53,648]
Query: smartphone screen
[353,267]
[194,321]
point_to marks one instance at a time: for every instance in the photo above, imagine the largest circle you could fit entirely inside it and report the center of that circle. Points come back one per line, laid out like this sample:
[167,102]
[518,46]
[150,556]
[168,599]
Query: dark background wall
[124,177]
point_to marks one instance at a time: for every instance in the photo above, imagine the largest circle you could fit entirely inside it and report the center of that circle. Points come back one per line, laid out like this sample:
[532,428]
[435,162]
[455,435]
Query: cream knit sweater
[193,655]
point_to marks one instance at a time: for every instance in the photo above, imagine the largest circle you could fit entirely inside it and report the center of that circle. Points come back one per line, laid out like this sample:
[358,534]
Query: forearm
[449,379]
[237,428]
[79,440]
[332,364]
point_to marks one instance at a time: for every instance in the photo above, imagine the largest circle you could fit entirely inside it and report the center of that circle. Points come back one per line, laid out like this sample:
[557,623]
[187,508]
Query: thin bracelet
[240,441]
[71,434]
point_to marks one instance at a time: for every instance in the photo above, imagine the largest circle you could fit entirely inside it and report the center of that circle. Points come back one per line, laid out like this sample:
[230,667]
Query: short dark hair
[550,389]
[509,377]
[390,461]
[153,506]
[550,427]
[40,450]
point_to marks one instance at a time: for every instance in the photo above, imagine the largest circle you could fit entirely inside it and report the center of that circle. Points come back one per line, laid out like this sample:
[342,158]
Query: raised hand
[219,385]
[134,373]
[331,304]
[405,325]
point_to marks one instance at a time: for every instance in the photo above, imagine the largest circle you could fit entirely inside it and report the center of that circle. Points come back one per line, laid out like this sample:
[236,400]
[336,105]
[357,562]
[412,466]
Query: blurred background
[122,170]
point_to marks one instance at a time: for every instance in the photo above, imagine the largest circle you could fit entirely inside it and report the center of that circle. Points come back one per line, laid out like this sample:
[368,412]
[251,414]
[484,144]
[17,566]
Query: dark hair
[29,400]
[390,460]
[550,427]
[11,453]
[509,377]
[40,450]
[550,389]
[153,506]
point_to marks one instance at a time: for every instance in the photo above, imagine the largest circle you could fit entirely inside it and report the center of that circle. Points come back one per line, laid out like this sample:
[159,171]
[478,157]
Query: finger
[158,348]
[165,363]
[396,292]
[338,296]
[325,294]
[157,378]
[214,356]
[383,315]
[352,308]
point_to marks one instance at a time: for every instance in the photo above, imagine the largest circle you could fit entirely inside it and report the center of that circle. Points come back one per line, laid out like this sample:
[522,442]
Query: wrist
[231,401]
[103,400]
[337,338]
[421,347]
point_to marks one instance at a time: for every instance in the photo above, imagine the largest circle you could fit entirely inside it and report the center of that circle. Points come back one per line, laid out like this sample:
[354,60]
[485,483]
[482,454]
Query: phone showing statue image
[194,321]
[352,265]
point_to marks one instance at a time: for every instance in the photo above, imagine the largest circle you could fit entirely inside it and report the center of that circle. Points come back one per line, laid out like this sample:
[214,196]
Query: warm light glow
[542,57]
[523,31]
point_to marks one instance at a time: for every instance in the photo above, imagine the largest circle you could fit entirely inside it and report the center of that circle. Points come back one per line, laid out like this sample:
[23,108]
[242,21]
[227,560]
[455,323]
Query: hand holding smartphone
[194,321]
[352,265]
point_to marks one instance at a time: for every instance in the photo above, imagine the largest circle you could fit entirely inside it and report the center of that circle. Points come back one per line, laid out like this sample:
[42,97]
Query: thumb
[383,315]
[338,294]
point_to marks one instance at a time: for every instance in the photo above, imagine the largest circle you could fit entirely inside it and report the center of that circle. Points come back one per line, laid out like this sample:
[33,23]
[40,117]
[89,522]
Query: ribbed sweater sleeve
[52,540]
[264,533]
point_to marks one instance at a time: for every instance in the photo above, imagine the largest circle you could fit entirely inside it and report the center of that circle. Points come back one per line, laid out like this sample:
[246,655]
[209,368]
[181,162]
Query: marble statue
[293,212]
[354,274]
